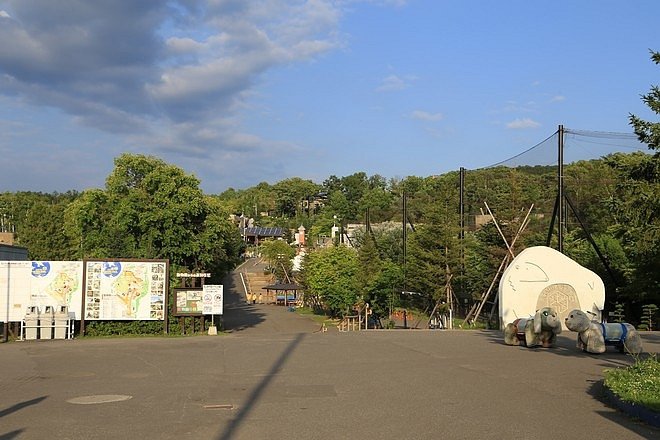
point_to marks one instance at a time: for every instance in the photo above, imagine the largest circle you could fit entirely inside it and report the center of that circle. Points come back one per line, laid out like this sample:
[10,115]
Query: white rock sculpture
[543,277]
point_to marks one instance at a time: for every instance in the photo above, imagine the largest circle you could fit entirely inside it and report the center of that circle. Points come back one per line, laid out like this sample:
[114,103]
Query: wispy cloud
[426,116]
[394,83]
[517,107]
[557,98]
[397,3]
[519,124]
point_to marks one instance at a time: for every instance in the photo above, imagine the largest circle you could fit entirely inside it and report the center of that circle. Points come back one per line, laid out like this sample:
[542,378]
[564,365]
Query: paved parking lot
[273,375]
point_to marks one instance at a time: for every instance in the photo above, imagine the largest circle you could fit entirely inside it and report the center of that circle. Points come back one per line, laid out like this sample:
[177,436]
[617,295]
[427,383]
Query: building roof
[13,253]
[283,286]
[259,231]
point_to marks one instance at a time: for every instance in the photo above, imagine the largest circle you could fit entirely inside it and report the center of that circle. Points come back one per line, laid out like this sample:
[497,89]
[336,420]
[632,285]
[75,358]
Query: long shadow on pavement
[239,317]
[260,388]
[11,435]
[21,405]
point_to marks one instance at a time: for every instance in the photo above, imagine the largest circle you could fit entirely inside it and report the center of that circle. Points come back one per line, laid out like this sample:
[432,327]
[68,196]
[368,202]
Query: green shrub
[111,328]
[638,384]
[648,316]
[618,314]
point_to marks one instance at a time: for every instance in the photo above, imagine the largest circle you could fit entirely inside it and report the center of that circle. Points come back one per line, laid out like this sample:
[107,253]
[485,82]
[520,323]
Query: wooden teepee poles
[476,311]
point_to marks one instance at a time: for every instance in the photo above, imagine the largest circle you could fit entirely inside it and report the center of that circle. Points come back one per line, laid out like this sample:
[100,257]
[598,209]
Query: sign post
[212,304]
[192,310]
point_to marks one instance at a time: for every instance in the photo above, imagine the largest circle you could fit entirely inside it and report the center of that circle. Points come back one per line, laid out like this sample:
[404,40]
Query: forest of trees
[151,209]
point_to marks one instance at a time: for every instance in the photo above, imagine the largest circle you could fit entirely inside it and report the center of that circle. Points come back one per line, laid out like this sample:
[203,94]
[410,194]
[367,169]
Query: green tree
[635,205]
[151,209]
[36,220]
[383,294]
[649,132]
[278,254]
[290,194]
[434,247]
[159,206]
[330,278]
[370,264]
[43,233]
[339,206]
[87,226]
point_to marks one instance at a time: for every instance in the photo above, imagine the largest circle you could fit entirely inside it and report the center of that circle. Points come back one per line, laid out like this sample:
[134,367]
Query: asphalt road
[273,375]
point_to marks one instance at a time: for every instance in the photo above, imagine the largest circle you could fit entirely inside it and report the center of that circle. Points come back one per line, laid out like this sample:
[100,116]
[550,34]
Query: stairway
[255,282]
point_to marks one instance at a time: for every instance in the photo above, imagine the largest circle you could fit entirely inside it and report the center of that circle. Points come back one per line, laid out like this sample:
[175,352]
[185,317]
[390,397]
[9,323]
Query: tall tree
[433,247]
[649,132]
[151,209]
[636,203]
[290,194]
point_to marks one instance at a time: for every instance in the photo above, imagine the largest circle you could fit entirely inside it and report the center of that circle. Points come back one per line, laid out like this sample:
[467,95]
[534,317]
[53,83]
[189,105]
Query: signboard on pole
[213,299]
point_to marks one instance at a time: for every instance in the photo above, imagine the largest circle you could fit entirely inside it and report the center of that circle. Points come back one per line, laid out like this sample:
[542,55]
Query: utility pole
[561,211]
[404,207]
[461,213]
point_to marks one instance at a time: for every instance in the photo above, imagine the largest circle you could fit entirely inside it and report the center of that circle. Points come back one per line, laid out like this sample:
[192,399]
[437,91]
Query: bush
[111,328]
[638,384]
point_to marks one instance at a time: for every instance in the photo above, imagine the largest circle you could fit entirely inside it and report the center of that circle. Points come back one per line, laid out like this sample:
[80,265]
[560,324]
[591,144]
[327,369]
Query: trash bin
[61,322]
[31,323]
[46,323]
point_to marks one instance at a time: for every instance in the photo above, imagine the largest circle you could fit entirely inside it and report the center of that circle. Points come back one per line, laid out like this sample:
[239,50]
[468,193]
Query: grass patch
[638,384]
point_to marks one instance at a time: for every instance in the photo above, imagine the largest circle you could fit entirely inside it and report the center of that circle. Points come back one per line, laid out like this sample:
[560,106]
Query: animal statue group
[594,337]
[541,330]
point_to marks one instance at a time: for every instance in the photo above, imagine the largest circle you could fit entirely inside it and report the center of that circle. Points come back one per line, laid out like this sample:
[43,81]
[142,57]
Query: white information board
[26,284]
[212,299]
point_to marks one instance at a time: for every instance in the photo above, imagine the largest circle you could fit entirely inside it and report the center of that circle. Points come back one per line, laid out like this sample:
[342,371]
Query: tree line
[151,209]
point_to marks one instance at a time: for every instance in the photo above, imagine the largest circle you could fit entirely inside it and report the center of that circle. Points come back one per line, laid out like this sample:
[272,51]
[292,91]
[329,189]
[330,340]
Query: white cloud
[426,116]
[396,3]
[523,123]
[173,64]
[394,83]
[517,107]
[558,98]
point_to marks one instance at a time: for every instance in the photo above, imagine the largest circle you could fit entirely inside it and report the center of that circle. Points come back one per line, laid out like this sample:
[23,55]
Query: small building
[257,234]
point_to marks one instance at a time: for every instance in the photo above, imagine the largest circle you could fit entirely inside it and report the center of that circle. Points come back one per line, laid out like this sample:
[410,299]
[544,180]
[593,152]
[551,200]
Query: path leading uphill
[243,319]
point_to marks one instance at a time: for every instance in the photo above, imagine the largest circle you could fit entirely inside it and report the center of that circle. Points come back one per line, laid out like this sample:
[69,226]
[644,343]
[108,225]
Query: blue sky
[239,92]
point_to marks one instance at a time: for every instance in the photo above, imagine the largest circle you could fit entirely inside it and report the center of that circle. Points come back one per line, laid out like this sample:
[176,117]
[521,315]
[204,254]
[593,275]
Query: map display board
[26,284]
[125,290]
[189,301]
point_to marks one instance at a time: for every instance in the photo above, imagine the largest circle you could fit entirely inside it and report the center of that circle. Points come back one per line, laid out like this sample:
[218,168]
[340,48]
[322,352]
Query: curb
[642,413]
